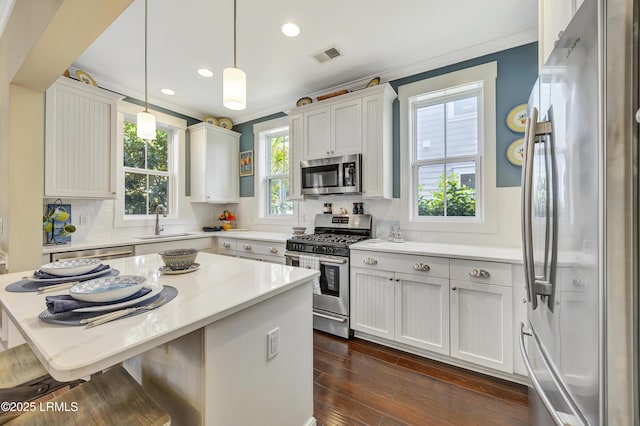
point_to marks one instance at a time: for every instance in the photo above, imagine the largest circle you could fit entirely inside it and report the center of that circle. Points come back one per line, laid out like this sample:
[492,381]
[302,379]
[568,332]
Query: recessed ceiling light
[168,91]
[205,72]
[290,29]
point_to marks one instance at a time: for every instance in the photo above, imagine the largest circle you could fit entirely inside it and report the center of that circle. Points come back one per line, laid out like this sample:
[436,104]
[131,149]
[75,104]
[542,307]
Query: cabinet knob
[454,288]
[370,261]
[421,267]
[226,245]
[273,250]
[524,300]
[578,281]
[397,280]
[390,279]
[247,247]
[328,152]
[479,273]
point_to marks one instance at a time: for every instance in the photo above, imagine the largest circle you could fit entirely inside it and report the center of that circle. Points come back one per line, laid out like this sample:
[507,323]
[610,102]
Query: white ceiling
[376,37]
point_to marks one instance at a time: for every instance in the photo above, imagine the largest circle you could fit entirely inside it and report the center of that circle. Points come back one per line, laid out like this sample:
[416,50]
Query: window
[445,129]
[273,171]
[448,151]
[148,174]
[277,173]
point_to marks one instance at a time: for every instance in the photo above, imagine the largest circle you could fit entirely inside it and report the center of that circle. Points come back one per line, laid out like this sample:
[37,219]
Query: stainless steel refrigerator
[580,223]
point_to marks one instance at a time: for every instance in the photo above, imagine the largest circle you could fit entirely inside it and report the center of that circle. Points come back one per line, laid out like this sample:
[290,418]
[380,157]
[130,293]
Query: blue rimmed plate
[70,267]
[107,289]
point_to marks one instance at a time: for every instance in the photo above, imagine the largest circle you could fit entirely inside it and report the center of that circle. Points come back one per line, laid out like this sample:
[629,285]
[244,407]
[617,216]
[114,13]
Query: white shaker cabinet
[359,122]
[481,313]
[80,140]
[295,149]
[214,164]
[333,130]
[404,298]
[553,18]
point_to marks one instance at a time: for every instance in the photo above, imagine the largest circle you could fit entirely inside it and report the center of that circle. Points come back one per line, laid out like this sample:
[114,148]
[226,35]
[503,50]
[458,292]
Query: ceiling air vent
[326,55]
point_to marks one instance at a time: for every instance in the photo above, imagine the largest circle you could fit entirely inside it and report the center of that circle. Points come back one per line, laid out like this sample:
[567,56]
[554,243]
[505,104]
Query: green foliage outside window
[279,203]
[144,189]
[460,199]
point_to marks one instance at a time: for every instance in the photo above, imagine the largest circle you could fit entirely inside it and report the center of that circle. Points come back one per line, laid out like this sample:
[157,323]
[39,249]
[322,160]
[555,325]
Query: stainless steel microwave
[335,175]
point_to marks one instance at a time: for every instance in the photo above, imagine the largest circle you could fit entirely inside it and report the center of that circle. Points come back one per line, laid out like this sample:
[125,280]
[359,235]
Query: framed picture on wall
[246,163]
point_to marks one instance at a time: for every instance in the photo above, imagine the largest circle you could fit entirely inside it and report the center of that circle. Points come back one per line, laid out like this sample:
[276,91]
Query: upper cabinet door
[214,164]
[80,141]
[346,128]
[317,139]
[553,18]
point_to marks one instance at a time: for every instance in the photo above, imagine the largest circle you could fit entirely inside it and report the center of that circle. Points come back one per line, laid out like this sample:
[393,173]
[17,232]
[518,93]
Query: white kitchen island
[203,355]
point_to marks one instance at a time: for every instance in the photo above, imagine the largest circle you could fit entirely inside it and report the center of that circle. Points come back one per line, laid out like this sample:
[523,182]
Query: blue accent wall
[517,73]
[247,183]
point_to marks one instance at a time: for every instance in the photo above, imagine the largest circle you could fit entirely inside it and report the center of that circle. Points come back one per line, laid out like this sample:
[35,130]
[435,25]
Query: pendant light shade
[234,80]
[234,88]
[145,121]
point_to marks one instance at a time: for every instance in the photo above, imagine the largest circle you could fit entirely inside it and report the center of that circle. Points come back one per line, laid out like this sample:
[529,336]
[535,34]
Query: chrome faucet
[163,209]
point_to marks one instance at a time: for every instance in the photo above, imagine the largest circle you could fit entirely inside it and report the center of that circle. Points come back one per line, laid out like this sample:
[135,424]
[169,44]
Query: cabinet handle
[226,245]
[247,247]
[479,273]
[421,267]
[454,288]
[273,250]
[370,261]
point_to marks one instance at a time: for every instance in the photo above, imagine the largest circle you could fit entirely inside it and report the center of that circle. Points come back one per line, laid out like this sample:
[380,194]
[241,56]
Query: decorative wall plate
[85,78]
[225,123]
[211,120]
[517,118]
[373,82]
[304,101]
[515,152]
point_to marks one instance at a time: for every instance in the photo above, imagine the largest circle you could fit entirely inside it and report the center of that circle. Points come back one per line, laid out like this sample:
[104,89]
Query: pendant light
[146,122]
[234,80]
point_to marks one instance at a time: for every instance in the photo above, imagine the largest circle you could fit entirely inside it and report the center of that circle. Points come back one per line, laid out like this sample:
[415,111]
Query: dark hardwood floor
[361,383]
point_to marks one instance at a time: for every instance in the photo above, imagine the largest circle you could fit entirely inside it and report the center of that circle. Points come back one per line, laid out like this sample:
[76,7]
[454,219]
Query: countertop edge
[508,255]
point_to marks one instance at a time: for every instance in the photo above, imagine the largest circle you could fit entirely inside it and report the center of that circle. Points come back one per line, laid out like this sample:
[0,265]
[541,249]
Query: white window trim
[262,216]
[177,215]
[487,217]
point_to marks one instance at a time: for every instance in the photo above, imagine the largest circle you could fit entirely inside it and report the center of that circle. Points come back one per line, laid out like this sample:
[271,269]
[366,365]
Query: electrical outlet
[273,342]
[84,219]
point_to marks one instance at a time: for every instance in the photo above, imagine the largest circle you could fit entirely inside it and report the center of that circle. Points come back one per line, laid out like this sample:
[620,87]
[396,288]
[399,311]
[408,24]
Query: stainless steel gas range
[328,246]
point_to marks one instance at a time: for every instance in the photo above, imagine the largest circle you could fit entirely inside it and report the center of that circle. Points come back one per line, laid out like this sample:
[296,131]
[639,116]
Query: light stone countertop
[222,286]
[276,237]
[456,251]
[134,240]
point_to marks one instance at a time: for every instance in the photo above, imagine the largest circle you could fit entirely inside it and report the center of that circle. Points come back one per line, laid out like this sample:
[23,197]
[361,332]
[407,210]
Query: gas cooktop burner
[330,238]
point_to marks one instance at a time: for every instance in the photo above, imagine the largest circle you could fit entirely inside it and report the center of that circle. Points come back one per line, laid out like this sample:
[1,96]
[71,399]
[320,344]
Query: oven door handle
[329,317]
[321,259]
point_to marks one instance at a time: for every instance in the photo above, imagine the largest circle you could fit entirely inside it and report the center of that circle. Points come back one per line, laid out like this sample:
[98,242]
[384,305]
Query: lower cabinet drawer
[260,247]
[406,263]
[481,272]
[226,246]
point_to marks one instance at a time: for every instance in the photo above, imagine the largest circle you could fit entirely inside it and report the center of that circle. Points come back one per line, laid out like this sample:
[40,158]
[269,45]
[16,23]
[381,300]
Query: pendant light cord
[235,23]
[145,57]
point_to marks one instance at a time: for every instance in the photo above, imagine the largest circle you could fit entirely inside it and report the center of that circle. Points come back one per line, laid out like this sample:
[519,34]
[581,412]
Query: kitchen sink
[153,237]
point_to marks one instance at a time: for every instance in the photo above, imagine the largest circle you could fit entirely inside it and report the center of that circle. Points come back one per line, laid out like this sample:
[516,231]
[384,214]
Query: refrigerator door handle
[538,387]
[527,195]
